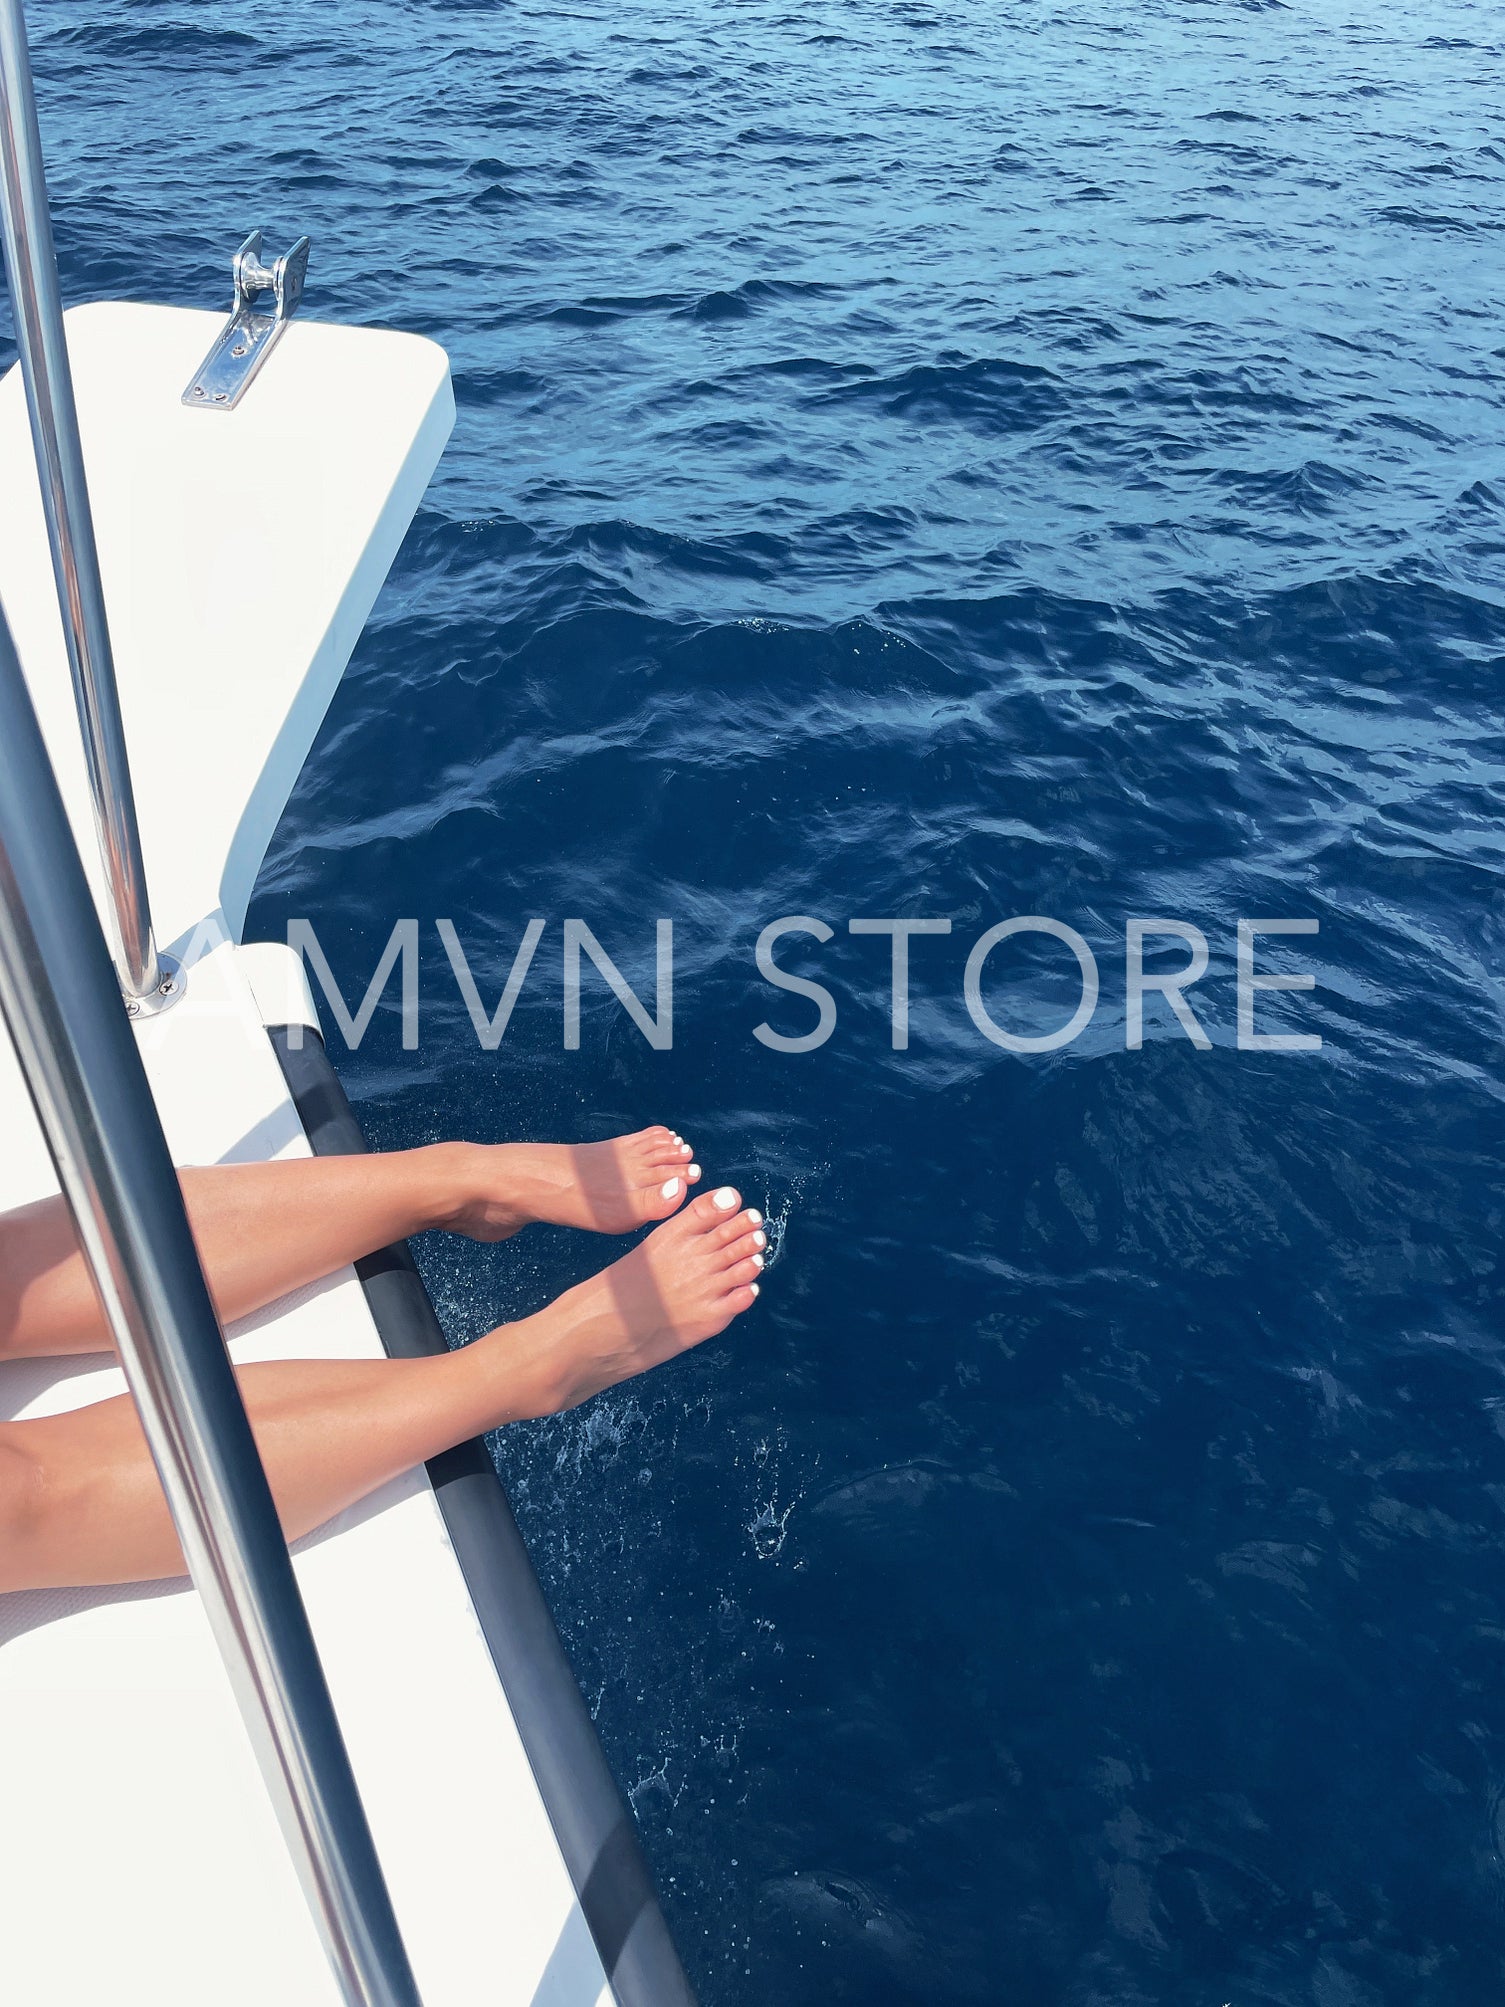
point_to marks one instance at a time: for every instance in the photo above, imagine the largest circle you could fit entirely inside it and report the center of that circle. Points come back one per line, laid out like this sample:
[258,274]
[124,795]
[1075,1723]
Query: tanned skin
[80,1502]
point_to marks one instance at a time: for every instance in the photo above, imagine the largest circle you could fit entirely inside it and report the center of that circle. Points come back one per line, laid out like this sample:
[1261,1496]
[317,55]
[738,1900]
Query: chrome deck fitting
[248,337]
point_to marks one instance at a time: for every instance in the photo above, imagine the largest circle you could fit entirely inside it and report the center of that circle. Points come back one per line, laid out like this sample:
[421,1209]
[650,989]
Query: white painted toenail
[757,1260]
[725,1199]
[693,1172]
[753,1287]
[755,1216]
[760,1240]
[670,1189]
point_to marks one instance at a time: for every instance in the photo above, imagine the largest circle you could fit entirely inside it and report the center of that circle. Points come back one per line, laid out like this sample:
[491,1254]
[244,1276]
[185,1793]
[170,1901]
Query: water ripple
[956,459]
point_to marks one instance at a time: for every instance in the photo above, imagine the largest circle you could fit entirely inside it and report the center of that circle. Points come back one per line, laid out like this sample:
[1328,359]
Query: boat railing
[31,261]
[61,1001]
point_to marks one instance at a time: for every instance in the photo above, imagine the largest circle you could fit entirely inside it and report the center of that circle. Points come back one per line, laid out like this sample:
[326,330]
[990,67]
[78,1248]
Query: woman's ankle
[526,1365]
[447,1186]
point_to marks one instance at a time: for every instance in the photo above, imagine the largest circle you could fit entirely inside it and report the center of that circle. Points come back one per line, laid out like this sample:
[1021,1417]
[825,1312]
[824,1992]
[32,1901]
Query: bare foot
[609,1187]
[682,1285]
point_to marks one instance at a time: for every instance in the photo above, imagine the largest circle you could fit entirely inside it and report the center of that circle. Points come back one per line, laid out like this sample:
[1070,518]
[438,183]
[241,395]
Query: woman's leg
[79,1497]
[263,1229]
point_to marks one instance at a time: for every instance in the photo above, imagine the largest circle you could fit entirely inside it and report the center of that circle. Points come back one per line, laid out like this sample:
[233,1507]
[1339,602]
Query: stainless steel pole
[62,1006]
[30,260]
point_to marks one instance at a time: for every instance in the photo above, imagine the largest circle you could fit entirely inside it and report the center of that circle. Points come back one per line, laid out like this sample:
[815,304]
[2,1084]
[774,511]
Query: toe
[664,1198]
[744,1273]
[713,1209]
[737,1228]
[746,1249]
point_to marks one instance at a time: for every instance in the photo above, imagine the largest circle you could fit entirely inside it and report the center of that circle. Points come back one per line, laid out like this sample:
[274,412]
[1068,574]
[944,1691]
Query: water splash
[778,1213]
[655,1783]
[768,1528]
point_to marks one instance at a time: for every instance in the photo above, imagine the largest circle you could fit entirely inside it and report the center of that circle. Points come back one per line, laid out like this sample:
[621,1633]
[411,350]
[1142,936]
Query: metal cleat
[248,337]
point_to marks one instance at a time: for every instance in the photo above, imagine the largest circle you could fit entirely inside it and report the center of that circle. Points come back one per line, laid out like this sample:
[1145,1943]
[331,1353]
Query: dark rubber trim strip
[593,1826]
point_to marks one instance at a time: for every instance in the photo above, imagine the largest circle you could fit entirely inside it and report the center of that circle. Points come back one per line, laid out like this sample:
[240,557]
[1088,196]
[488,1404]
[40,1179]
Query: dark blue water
[959,460]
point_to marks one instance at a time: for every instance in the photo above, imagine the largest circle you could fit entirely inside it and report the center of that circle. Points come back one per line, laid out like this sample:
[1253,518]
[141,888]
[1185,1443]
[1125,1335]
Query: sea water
[961,460]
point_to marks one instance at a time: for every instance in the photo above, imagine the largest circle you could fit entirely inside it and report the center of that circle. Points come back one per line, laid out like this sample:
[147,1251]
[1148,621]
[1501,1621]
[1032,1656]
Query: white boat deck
[139,1856]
